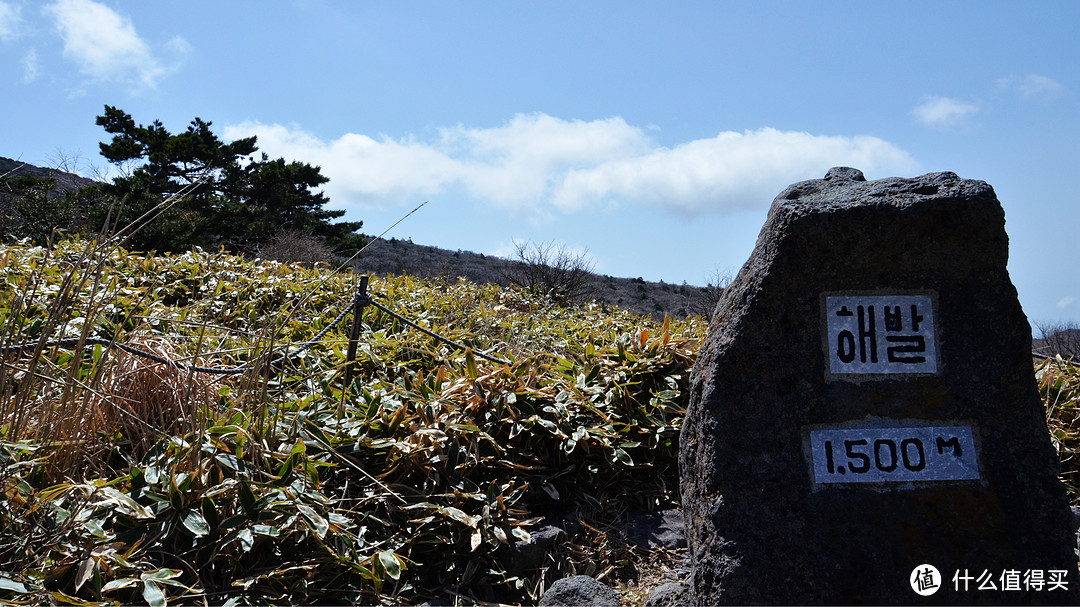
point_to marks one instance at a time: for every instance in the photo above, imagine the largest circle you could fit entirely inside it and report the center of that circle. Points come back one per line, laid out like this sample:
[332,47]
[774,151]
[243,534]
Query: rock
[865,404]
[657,529]
[579,590]
[674,594]
[1076,526]
[525,557]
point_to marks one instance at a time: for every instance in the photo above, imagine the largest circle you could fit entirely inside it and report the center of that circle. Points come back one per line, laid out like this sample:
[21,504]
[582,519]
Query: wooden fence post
[359,303]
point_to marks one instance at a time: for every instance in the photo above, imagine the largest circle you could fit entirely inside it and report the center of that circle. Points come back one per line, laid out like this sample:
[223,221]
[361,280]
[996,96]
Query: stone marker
[865,407]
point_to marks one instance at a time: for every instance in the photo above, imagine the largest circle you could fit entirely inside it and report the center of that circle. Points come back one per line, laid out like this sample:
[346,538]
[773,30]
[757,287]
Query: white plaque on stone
[899,454]
[880,334]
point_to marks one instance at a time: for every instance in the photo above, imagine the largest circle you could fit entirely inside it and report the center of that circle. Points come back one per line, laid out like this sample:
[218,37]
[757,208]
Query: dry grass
[1059,386]
[144,400]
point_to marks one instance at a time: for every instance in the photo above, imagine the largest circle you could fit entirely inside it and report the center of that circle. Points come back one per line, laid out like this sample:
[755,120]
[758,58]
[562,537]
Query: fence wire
[429,333]
[359,300]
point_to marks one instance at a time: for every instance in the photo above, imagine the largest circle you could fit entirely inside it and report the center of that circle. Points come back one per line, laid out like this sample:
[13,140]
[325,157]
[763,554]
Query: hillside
[64,180]
[401,257]
[398,257]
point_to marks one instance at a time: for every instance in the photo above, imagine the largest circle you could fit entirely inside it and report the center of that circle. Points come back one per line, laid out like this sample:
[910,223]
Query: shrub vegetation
[128,480]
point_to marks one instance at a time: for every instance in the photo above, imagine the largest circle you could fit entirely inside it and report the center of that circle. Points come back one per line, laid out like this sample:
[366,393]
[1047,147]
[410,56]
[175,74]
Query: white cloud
[728,172]
[30,66]
[524,160]
[1065,303]
[1033,86]
[10,21]
[942,111]
[538,163]
[104,44]
[178,46]
[361,169]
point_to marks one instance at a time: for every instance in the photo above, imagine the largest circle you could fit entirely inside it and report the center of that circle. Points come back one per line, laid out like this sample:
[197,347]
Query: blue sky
[655,135]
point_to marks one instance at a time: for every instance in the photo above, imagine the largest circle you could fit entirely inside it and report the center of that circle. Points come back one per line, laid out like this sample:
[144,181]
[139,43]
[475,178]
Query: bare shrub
[709,295]
[296,246]
[553,270]
[1058,338]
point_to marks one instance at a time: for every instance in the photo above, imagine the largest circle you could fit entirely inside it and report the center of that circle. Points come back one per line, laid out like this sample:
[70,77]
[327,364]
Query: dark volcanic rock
[769,517]
[525,557]
[579,590]
[674,594]
[657,529]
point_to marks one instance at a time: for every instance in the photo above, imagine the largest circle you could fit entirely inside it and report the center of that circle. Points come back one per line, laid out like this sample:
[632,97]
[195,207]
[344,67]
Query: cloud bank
[537,164]
[105,46]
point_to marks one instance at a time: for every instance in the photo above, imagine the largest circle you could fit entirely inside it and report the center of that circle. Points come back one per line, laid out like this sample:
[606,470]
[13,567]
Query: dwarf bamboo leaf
[318,524]
[152,594]
[126,582]
[194,522]
[391,564]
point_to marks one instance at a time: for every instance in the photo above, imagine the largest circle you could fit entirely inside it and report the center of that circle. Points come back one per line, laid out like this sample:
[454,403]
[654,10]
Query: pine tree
[238,203]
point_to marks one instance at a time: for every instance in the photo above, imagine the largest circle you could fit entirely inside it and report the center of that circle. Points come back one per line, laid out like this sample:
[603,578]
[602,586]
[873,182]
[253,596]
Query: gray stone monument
[864,424]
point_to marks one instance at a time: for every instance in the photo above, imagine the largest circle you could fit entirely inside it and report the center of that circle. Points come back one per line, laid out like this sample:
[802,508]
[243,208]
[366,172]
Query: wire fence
[360,300]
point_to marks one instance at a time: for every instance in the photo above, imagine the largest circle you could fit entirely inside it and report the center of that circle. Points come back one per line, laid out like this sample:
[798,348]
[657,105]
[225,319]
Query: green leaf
[194,522]
[153,595]
[318,524]
[162,576]
[460,516]
[86,571]
[247,540]
[231,462]
[287,466]
[390,563]
[13,586]
[210,513]
[247,500]
[126,582]
[470,364]
[126,503]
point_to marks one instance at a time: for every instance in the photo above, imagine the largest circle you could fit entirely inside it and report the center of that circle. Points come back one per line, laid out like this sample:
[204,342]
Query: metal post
[359,303]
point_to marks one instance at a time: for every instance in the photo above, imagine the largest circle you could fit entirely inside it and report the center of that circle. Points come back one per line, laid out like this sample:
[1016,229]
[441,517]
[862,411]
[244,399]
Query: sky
[652,136]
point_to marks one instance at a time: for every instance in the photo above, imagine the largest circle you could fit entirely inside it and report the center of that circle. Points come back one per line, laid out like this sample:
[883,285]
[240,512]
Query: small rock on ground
[579,590]
[674,594]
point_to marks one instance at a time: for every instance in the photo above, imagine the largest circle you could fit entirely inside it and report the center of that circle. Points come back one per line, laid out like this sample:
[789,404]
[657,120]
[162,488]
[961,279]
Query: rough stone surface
[657,530]
[674,594]
[579,590]
[525,557]
[759,529]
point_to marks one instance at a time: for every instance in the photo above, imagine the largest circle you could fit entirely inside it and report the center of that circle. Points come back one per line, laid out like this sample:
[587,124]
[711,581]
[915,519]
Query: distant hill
[396,257]
[1061,339]
[64,180]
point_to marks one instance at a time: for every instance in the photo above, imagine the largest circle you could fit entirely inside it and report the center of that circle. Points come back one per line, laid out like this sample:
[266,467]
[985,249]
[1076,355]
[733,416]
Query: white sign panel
[880,334]
[893,455]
